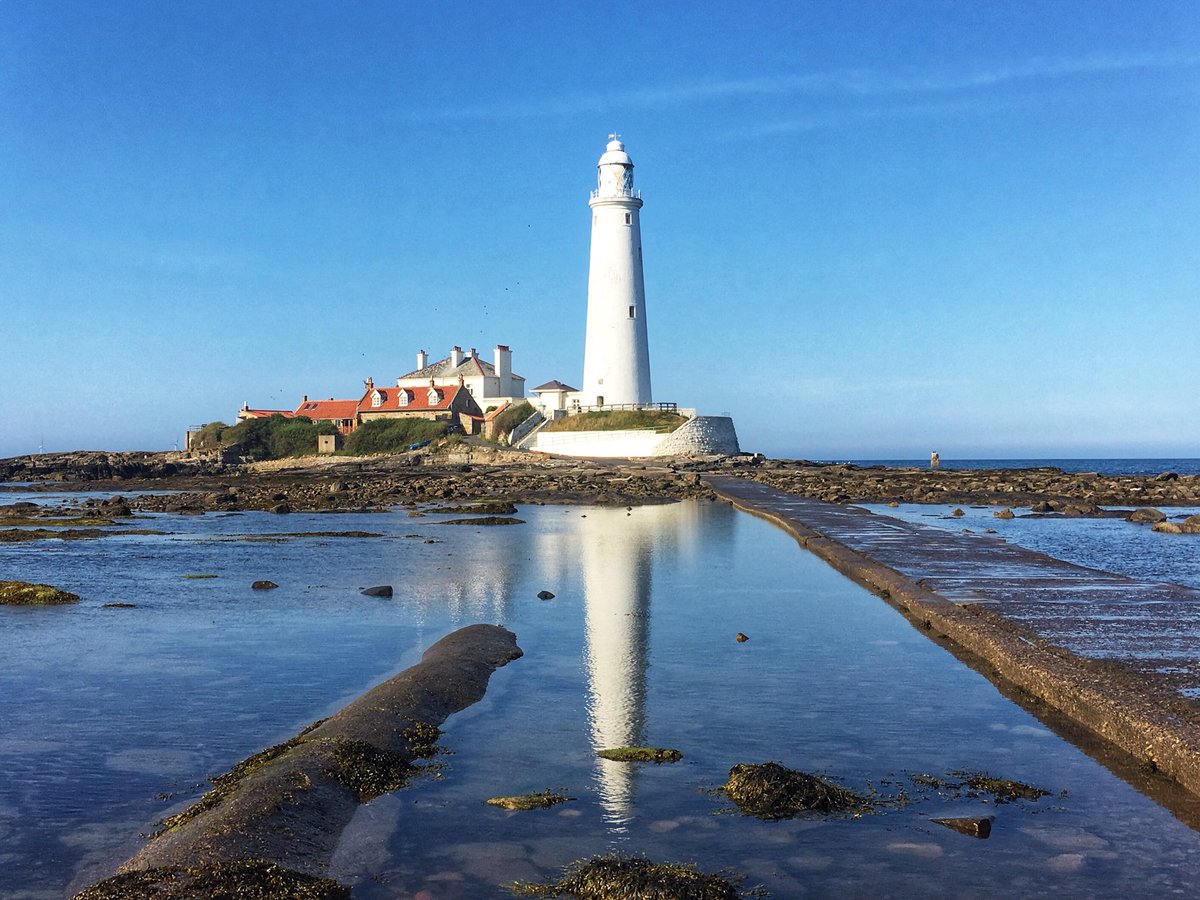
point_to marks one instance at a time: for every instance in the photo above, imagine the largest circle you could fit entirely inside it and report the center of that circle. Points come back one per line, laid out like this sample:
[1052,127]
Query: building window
[633,312]
[402,398]
[376,399]
[628,218]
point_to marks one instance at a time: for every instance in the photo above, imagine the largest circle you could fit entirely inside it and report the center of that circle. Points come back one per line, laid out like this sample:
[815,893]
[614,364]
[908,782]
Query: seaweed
[771,791]
[242,879]
[641,754]
[537,800]
[368,771]
[1003,790]
[618,877]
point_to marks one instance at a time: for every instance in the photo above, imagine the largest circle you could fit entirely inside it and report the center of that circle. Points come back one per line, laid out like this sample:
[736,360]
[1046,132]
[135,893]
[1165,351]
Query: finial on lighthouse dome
[615,170]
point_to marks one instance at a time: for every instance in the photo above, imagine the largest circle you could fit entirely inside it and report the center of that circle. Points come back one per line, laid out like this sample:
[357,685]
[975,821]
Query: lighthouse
[616,357]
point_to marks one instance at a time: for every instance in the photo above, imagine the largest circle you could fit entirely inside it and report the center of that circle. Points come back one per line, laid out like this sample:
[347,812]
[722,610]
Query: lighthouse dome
[614,154]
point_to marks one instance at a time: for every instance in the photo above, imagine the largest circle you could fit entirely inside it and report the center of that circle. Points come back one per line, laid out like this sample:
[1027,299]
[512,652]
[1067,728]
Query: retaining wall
[706,435]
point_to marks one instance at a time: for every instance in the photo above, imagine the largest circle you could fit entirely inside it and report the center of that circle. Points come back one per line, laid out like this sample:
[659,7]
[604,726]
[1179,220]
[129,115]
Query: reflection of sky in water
[103,709]
[1110,544]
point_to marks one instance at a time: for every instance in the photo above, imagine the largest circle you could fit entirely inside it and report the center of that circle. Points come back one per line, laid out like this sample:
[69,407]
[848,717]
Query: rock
[1005,513]
[280,508]
[615,875]
[118,606]
[23,593]
[741,638]
[1146,514]
[1042,507]
[771,791]
[972,827]
[521,802]
[545,595]
[958,512]
[1167,528]
[1167,476]
[264,585]
[485,520]
[382,590]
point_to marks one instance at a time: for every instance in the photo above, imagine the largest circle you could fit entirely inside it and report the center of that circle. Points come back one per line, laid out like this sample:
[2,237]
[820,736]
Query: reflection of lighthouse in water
[616,555]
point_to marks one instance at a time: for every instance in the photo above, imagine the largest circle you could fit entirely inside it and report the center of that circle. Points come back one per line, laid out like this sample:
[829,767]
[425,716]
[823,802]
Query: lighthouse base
[698,436]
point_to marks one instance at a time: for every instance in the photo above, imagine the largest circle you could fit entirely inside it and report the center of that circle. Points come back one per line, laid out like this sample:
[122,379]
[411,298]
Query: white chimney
[504,370]
[456,357]
[422,359]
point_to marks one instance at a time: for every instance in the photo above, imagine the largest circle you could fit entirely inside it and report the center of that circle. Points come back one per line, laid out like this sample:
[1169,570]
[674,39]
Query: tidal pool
[111,718]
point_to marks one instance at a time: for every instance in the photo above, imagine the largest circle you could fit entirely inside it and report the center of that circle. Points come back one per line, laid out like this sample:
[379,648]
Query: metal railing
[609,407]
[630,193]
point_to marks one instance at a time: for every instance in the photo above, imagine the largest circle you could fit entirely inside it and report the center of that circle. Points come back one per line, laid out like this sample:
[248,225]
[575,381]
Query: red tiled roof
[418,399]
[488,416]
[264,413]
[328,409]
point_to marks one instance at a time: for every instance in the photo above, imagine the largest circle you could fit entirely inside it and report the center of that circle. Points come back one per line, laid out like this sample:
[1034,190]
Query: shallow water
[1113,545]
[103,709]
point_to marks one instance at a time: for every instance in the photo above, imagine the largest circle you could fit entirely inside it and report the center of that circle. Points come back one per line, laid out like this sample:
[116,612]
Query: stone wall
[630,442]
[705,435]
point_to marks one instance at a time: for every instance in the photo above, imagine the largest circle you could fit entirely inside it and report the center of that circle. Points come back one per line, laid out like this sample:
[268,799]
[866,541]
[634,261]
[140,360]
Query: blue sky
[871,230]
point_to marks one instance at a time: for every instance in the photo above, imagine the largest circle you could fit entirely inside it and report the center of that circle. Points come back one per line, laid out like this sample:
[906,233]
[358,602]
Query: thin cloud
[836,83]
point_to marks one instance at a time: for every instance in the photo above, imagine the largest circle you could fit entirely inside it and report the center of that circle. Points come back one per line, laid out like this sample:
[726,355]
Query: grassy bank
[619,420]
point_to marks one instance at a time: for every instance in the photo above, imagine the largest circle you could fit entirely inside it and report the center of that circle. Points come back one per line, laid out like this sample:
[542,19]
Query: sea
[112,718]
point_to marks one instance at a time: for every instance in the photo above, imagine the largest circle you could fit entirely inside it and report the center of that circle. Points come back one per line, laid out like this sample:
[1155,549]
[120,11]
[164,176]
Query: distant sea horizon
[1101,466]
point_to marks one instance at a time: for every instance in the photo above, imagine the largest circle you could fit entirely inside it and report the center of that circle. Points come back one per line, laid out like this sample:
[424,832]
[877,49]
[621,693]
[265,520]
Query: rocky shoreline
[483,473]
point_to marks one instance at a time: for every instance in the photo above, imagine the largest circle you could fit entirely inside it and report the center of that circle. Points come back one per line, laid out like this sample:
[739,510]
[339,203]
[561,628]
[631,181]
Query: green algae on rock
[23,593]
[245,879]
[537,800]
[771,791]
[641,754]
[617,877]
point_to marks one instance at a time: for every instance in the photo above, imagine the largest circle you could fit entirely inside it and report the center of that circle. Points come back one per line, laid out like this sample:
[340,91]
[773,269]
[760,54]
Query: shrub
[392,436]
[512,417]
[209,437]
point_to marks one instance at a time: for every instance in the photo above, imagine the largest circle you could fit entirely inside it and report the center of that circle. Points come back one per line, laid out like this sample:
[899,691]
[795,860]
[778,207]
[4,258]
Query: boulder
[1005,513]
[264,585]
[382,590]
[1146,514]
[545,595]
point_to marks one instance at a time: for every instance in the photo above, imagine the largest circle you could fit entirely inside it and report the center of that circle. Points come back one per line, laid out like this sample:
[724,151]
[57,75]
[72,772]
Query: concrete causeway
[1117,655]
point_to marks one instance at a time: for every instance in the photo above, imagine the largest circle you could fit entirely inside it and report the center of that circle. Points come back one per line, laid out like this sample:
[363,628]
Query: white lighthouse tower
[616,357]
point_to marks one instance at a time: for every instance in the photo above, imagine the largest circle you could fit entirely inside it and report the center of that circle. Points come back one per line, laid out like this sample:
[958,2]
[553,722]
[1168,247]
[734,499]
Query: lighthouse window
[628,218]
[632,312]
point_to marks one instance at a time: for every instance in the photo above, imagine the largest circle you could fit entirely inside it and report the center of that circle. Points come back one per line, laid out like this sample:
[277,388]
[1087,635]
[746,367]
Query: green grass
[618,420]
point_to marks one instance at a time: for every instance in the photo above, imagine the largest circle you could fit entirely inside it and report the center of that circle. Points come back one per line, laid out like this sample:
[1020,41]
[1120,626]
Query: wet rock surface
[1083,492]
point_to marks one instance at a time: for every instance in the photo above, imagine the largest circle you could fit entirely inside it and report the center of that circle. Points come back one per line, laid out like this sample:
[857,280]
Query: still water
[110,718]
